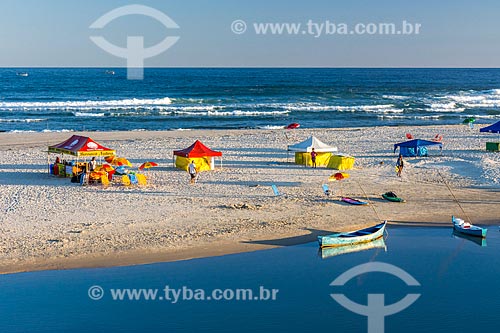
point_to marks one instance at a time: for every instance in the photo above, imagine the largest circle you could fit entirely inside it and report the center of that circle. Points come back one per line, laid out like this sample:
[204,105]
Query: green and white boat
[354,237]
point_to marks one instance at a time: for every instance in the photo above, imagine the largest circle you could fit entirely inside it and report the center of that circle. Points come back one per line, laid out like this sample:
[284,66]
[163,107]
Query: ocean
[95,99]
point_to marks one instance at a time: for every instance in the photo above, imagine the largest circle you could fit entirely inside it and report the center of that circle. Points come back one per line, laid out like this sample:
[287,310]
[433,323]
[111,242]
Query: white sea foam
[86,105]
[37,120]
[270,127]
[56,131]
[382,108]
[396,97]
[239,113]
[446,107]
[477,99]
[87,114]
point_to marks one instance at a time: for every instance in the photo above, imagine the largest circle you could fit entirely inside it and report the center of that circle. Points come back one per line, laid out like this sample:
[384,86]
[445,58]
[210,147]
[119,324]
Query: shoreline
[50,223]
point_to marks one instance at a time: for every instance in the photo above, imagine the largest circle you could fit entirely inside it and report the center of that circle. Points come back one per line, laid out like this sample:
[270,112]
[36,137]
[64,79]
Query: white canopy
[310,143]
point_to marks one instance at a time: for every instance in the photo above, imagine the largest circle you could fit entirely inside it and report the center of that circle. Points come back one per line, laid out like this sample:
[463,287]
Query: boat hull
[471,231]
[393,199]
[353,237]
[352,201]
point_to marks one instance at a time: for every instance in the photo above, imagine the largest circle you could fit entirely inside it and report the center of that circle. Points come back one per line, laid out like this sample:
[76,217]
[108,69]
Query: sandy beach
[50,223]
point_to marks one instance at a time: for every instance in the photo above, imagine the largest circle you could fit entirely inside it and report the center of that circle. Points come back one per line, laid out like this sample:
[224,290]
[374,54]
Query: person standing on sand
[192,171]
[313,158]
[92,164]
[399,165]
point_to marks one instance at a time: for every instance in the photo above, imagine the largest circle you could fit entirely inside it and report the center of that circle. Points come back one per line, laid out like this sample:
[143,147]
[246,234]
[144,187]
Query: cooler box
[493,146]
[341,162]
[62,169]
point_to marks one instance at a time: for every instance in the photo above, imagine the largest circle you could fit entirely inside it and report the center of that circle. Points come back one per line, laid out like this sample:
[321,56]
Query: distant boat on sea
[22,74]
[109,72]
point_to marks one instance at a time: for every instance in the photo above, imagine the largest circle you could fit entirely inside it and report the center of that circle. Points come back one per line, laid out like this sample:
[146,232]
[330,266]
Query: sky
[56,33]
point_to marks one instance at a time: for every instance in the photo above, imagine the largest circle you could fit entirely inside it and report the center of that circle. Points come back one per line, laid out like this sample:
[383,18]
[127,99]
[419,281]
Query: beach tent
[202,156]
[81,146]
[415,147]
[341,162]
[303,151]
[495,128]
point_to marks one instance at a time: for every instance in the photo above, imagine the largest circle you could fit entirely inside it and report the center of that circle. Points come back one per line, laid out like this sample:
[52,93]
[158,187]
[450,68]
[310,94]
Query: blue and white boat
[327,252]
[353,237]
[467,228]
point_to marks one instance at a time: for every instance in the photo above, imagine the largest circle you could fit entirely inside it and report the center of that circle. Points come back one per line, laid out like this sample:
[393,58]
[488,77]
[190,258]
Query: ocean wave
[445,107]
[432,117]
[87,114]
[86,105]
[56,131]
[238,113]
[382,108]
[2,120]
[396,97]
[270,127]
[489,116]
[476,99]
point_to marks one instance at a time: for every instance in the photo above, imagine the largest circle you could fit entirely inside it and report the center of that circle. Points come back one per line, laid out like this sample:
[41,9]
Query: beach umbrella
[107,168]
[338,176]
[148,165]
[292,126]
[469,121]
[123,161]
[113,160]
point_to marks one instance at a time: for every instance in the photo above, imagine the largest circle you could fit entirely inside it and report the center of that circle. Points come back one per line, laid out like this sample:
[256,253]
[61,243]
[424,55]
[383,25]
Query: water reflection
[477,240]
[329,252]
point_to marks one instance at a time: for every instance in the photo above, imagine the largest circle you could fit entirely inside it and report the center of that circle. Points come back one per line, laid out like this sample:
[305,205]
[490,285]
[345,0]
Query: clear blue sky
[459,33]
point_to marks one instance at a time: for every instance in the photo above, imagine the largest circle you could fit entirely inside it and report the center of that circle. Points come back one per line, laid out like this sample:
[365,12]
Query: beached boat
[353,237]
[467,228]
[327,252]
[391,196]
[353,201]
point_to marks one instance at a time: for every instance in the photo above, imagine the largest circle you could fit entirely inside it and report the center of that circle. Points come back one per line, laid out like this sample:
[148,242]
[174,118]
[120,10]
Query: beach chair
[125,180]
[437,138]
[275,190]
[133,179]
[141,179]
[104,180]
[326,190]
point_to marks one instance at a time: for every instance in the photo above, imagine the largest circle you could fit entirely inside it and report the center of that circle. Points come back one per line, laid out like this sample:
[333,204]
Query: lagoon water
[458,278]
